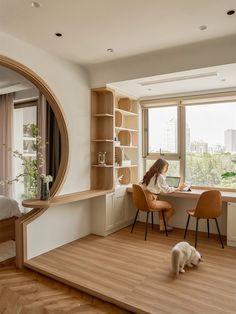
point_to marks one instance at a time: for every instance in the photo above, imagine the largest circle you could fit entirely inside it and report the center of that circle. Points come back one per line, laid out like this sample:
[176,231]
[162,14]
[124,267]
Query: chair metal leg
[134,220]
[152,220]
[208,229]
[196,232]
[164,220]
[186,228]
[219,233]
[146,227]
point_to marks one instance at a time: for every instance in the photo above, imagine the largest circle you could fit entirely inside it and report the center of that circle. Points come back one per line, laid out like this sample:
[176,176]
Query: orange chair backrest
[139,198]
[209,205]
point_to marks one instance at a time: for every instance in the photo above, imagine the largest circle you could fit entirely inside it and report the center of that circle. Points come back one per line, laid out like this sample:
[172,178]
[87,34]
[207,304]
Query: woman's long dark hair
[155,170]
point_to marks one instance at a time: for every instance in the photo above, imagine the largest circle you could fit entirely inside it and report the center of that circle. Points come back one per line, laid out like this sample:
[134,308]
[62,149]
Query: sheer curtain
[6,142]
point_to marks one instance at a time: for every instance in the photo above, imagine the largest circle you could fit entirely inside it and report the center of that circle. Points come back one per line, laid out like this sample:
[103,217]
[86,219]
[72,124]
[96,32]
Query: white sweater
[160,187]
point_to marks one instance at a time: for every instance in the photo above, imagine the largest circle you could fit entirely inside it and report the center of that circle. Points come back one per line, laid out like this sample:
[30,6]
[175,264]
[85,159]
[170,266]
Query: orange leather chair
[209,206]
[141,203]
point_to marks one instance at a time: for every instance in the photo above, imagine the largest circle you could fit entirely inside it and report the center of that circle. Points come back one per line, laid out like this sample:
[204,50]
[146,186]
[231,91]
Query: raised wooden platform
[135,274]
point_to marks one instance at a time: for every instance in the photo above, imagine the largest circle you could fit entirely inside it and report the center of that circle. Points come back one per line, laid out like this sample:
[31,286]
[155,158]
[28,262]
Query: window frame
[181,103]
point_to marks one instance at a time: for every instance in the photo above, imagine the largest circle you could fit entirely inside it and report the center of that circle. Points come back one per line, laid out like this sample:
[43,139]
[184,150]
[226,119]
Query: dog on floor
[183,254]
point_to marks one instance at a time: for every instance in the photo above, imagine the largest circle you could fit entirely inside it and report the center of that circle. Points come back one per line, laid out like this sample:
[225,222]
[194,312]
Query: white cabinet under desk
[111,212]
[231,224]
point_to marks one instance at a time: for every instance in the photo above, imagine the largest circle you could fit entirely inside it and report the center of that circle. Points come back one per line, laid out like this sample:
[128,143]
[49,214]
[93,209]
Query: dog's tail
[175,255]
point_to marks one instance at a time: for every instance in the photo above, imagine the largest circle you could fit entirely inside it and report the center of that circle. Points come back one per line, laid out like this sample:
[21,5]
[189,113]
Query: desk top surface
[64,199]
[194,193]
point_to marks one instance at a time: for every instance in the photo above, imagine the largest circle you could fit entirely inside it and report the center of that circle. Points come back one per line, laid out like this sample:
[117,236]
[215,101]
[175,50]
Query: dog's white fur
[183,254]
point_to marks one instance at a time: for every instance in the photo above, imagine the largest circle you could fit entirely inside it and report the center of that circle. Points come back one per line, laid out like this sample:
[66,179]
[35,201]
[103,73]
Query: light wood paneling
[136,274]
[26,292]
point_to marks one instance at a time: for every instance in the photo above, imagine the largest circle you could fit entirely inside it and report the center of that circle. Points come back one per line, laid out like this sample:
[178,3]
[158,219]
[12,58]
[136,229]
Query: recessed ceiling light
[35,4]
[230,12]
[58,34]
[110,50]
[203,27]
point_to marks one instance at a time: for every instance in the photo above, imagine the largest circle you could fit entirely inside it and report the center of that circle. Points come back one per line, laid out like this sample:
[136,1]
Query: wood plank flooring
[25,292]
[135,274]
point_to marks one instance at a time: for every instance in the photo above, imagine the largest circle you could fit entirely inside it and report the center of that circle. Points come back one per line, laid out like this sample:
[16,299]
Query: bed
[9,212]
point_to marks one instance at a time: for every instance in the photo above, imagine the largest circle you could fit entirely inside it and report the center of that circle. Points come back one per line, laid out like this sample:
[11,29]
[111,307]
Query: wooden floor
[135,274]
[25,292]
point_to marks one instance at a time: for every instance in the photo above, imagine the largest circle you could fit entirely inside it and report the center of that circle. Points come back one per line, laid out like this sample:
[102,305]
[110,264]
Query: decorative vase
[45,192]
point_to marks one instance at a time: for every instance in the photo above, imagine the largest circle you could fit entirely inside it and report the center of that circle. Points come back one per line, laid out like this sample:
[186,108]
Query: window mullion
[182,141]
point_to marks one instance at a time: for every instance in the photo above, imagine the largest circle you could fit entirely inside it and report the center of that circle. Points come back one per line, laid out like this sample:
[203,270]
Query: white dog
[183,254]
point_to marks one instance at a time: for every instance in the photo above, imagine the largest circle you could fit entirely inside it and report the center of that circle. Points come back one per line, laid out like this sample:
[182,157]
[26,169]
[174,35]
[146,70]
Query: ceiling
[130,27]
[11,82]
[217,78]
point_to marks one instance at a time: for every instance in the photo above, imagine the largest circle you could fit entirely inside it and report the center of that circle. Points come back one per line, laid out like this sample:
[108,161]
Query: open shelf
[125,129]
[127,105]
[102,138]
[109,141]
[126,146]
[130,166]
[126,113]
[102,166]
[102,115]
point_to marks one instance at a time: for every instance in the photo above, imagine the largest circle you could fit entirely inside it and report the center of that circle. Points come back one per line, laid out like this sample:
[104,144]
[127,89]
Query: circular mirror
[33,133]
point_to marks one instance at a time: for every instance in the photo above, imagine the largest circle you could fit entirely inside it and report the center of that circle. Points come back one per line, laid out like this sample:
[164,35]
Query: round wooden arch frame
[56,107]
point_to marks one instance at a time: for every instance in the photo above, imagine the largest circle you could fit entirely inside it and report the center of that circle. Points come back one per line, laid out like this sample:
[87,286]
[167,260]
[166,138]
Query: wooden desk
[226,196]
[64,199]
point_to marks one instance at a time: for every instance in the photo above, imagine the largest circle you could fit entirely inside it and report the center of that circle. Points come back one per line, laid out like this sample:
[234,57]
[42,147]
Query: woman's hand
[180,187]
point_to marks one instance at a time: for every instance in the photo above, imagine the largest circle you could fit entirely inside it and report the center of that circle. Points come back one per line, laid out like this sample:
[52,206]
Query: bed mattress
[8,208]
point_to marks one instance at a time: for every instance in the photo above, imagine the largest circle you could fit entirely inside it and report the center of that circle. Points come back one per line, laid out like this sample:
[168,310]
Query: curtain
[53,144]
[6,143]
[50,139]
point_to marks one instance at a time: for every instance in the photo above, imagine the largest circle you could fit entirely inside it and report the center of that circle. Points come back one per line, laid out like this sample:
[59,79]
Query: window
[197,136]
[211,144]
[162,125]
[162,130]
[25,121]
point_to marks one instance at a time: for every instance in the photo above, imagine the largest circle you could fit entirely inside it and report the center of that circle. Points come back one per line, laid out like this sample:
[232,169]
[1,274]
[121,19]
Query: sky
[207,122]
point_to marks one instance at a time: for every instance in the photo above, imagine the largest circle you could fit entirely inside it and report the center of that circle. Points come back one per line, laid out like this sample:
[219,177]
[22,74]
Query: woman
[154,183]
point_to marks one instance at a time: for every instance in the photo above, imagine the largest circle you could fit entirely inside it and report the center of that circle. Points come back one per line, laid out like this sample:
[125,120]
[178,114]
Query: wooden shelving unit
[113,118]
[102,138]
[126,133]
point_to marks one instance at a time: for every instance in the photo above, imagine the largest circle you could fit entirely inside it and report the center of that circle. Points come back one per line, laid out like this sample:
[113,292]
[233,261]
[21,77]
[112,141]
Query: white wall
[199,55]
[57,226]
[70,84]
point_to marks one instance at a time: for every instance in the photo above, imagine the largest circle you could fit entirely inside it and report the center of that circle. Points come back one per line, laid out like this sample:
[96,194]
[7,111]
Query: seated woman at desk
[154,183]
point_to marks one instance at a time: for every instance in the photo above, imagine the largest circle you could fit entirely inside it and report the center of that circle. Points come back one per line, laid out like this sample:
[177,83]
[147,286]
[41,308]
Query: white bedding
[8,208]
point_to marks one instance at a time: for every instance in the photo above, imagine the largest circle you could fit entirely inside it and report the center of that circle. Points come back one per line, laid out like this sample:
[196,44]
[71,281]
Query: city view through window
[210,141]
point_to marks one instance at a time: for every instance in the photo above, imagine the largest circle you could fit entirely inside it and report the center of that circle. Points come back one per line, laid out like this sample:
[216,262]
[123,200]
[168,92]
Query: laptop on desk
[173,181]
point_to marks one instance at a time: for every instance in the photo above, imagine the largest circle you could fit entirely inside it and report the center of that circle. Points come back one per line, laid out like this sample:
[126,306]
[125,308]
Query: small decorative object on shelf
[45,191]
[102,158]
[117,142]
